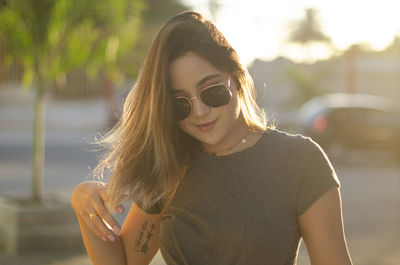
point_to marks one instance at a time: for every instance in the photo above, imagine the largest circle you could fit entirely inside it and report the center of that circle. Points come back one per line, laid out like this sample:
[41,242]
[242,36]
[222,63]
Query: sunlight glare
[259,29]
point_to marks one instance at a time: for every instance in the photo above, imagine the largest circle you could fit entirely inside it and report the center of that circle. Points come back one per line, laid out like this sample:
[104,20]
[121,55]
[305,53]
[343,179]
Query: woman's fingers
[88,220]
[106,217]
[104,213]
[86,201]
[102,189]
[120,209]
[89,201]
[95,222]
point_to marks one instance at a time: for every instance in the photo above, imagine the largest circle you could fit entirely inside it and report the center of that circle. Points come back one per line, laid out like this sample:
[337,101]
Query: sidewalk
[16,113]
[46,259]
[59,259]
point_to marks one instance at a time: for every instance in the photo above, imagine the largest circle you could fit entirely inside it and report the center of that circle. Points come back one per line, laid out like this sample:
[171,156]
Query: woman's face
[189,75]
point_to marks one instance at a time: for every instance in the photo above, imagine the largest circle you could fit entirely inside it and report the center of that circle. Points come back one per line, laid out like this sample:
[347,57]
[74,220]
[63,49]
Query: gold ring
[93,215]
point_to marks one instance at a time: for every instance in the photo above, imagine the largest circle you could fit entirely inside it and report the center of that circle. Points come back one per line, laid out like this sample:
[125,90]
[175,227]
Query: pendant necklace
[242,141]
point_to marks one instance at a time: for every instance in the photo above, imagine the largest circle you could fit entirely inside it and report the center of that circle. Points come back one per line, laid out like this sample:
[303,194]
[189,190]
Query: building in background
[282,85]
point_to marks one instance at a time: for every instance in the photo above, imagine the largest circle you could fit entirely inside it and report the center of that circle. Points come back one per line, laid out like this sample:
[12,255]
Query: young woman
[213,182]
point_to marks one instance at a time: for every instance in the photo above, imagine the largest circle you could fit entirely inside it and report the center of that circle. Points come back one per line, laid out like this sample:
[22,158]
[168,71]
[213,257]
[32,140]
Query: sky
[259,28]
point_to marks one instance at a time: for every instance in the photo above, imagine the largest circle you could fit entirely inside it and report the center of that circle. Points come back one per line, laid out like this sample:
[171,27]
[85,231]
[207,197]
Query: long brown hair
[148,154]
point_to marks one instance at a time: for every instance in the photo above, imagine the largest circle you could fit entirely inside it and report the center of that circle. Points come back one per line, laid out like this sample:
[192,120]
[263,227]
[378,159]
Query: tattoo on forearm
[148,231]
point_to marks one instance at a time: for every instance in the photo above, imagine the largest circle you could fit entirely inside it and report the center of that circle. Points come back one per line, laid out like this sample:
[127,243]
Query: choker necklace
[242,141]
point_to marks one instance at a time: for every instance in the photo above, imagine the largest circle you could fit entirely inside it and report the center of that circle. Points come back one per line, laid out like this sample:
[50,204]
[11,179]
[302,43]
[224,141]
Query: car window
[342,115]
[379,117]
[365,116]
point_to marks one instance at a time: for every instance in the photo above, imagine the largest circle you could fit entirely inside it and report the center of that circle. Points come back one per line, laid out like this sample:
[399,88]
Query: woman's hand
[88,201]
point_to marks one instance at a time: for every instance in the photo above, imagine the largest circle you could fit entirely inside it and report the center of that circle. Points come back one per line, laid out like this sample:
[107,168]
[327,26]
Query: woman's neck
[234,142]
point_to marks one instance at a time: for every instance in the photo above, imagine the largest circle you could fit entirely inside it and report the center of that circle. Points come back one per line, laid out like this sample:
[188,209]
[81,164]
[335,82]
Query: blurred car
[351,121]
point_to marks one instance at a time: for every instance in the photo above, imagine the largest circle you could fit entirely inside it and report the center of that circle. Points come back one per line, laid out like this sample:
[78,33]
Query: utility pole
[214,6]
[351,67]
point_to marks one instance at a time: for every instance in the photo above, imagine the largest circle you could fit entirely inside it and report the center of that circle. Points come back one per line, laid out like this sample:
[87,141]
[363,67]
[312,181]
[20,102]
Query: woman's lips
[206,126]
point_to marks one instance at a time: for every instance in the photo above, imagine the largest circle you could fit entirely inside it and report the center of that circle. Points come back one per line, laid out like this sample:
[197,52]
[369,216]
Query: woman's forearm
[99,251]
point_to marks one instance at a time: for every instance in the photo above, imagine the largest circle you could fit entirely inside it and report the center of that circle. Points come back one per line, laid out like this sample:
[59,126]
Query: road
[67,161]
[370,189]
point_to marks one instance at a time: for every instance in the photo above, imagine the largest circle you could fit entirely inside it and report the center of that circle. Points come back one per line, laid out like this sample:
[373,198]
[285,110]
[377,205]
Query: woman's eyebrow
[177,91]
[206,78]
[200,83]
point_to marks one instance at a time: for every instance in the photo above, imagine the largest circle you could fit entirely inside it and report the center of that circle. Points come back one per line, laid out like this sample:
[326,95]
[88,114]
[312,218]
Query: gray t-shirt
[243,208]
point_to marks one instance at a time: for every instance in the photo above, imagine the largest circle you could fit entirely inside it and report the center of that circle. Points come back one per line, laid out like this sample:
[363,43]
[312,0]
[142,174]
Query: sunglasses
[213,96]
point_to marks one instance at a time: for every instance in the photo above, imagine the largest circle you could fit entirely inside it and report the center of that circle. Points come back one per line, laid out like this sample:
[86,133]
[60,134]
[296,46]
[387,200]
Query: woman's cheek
[184,128]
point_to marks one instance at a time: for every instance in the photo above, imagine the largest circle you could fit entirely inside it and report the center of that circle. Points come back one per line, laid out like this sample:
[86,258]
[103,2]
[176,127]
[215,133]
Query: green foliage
[308,29]
[52,37]
[155,14]
[159,11]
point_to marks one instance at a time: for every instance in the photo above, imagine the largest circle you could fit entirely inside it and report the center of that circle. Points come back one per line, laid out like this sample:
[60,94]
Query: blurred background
[325,69]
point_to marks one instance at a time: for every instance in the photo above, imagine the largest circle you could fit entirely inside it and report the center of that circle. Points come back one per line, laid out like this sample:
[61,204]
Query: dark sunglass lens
[216,96]
[182,108]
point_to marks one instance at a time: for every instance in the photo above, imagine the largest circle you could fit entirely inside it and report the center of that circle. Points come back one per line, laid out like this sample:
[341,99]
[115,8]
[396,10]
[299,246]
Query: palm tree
[214,6]
[307,31]
[52,37]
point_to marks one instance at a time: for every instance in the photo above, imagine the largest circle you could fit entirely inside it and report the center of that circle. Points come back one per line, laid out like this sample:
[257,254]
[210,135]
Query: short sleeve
[155,209]
[316,175]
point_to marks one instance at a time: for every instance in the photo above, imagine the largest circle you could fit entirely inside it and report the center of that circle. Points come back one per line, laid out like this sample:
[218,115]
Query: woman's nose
[199,108]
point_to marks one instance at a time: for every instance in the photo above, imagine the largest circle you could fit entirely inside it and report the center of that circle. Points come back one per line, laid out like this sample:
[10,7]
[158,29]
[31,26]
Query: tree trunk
[38,142]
